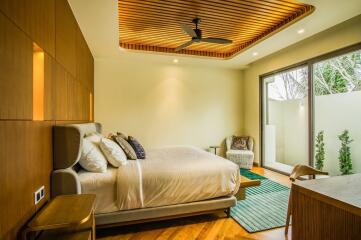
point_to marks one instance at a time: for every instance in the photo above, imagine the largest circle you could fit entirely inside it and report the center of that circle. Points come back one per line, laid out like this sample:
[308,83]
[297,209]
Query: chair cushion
[240,152]
[239,143]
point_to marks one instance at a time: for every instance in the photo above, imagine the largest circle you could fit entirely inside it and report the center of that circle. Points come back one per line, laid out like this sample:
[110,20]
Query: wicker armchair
[243,158]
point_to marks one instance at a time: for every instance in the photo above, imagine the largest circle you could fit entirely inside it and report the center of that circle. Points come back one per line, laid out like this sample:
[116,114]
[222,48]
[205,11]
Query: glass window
[337,98]
[286,119]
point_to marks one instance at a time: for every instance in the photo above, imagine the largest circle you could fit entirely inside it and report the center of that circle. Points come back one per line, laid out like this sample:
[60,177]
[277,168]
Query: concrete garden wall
[333,114]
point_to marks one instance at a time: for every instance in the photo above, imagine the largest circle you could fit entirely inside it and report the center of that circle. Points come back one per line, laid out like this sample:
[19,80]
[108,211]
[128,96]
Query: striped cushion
[127,148]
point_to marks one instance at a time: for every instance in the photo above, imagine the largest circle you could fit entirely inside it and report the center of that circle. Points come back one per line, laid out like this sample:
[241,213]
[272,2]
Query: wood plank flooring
[208,227]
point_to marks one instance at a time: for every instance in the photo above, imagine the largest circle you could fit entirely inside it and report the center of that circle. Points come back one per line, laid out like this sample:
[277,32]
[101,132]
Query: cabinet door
[16,87]
[36,18]
[66,31]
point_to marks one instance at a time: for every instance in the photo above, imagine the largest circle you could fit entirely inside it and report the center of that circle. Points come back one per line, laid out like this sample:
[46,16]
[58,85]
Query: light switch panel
[39,194]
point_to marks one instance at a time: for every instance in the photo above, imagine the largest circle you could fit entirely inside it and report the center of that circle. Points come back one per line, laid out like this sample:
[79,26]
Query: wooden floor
[215,226]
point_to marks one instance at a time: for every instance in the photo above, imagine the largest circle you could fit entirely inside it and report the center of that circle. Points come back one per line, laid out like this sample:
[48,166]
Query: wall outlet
[39,194]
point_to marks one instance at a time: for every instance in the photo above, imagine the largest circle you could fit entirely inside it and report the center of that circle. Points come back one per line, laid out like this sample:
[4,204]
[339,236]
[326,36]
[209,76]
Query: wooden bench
[245,183]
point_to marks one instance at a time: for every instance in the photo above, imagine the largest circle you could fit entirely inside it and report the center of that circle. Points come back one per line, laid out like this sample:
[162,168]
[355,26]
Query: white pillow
[92,158]
[94,137]
[113,152]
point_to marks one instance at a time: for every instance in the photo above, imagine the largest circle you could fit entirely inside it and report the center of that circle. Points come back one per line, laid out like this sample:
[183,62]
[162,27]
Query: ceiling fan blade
[189,30]
[184,45]
[216,40]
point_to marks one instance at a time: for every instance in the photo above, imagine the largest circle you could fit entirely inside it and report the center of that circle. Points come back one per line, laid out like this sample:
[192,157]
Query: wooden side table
[215,148]
[245,183]
[72,215]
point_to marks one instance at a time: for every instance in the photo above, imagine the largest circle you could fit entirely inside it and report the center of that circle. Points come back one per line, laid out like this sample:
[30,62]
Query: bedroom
[73,62]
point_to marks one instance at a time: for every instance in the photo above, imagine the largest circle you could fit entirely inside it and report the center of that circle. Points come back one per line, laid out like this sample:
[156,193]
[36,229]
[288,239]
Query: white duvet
[175,175]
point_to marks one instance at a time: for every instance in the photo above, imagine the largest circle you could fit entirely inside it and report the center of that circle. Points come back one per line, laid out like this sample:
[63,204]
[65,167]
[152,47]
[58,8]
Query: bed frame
[68,140]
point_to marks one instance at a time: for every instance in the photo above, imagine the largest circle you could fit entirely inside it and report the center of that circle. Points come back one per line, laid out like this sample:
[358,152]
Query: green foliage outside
[320,151]
[341,74]
[338,75]
[345,154]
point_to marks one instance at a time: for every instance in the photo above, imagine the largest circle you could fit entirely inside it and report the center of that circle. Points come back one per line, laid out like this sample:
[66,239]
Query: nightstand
[66,217]
[215,148]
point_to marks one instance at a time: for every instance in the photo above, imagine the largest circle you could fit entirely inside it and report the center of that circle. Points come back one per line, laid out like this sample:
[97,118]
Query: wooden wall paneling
[85,62]
[86,104]
[91,107]
[36,18]
[60,91]
[66,35]
[71,98]
[74,99]
[81,109]
[81,63]
[49,83]
[16,51]
[91,73]
[26,164]
[69,122]
[77,104]
[85,75]
[26,145]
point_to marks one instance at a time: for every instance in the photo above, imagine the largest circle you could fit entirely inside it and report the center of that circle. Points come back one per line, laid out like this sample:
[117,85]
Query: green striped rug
[265,206]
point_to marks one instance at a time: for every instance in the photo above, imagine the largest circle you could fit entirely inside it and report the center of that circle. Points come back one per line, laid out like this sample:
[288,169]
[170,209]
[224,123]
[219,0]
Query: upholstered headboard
[67,145]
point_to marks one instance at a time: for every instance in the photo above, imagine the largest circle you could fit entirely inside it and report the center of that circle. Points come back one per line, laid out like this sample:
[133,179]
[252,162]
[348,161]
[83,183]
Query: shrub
[345,154]
[320,151]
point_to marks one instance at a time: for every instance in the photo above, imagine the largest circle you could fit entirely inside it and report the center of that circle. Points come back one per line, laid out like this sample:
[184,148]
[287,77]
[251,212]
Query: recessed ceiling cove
[212,28]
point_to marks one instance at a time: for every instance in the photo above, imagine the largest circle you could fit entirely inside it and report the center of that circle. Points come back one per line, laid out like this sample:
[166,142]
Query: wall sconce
[38,83]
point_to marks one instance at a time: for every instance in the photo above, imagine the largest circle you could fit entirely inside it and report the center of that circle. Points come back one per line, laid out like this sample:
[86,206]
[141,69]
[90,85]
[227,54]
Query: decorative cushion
[92,158]
[127,148]
[113,152]
[111,135]
[122,135]
[239,143]
[138,148]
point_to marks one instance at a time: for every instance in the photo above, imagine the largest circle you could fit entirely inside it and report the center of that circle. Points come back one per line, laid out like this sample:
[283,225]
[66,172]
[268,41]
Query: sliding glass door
[337,99]
[311,114]
[285,119]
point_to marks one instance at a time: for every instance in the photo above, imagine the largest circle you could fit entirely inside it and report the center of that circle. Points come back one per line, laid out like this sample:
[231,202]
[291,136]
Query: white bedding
[167,176]
[104,185]
[175,175]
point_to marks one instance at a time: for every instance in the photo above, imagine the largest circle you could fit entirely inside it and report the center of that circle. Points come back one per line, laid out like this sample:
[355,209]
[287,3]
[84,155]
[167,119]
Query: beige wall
[342,35]
[168,104]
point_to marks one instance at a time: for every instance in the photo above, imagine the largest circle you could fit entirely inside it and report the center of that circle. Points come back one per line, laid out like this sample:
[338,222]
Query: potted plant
[320,151]
[344,153]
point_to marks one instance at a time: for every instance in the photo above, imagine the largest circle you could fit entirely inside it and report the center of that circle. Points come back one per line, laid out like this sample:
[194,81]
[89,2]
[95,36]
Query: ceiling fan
[196,35]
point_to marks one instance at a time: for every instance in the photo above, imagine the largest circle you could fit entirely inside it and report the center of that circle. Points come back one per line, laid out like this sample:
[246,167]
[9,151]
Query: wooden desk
[328,208]
[65,213]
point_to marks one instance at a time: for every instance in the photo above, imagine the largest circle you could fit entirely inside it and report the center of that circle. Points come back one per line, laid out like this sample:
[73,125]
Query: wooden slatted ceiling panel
[155,25]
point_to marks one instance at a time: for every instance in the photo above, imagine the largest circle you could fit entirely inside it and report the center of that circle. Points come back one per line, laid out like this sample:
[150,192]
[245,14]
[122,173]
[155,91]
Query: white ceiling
[98,20]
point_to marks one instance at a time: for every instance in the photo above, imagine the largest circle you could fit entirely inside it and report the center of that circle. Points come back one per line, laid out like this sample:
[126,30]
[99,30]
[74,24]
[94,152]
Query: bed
[171,182]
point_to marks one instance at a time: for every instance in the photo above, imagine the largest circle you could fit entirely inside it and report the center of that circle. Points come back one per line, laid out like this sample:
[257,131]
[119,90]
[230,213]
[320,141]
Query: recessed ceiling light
[300,31]
[255,53]
[175,60]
